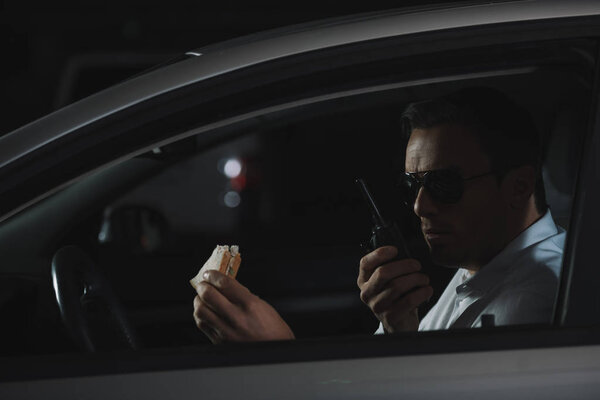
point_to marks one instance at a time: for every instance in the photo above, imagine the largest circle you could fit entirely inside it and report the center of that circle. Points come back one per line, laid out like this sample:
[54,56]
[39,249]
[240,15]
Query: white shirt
[518,286]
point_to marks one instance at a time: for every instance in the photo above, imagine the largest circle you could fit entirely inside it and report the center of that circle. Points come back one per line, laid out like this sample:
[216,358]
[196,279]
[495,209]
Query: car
[110,205]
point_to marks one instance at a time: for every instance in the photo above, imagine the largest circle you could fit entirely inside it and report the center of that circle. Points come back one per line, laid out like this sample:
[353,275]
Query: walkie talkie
[383,233]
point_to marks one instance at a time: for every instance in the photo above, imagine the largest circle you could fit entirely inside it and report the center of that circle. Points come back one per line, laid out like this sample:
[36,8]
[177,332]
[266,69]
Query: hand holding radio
[393,289]
[390,282]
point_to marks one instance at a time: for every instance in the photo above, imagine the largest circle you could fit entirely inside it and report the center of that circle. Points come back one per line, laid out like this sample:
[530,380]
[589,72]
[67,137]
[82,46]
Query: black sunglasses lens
[445,186]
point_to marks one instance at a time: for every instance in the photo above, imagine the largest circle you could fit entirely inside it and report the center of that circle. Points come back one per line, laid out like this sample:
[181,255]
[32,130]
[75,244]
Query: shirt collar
[490,274]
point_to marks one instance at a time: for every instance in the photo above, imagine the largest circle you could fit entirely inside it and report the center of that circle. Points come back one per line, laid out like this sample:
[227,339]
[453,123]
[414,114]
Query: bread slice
[226,259]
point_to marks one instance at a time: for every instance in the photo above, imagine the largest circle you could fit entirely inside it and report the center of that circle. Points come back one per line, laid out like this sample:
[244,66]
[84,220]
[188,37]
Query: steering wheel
[78,284]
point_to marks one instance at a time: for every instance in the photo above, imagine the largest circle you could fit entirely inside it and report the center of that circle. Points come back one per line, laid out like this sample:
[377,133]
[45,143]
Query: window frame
[579,302]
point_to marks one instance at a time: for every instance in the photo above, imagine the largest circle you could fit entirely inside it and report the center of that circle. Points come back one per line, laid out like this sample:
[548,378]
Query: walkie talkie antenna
[375,214]
[383,233]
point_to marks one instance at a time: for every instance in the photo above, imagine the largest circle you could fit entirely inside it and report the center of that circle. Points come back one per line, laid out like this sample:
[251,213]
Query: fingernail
[205,275]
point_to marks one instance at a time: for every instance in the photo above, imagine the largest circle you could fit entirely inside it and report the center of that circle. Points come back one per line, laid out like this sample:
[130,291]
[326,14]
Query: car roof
[332,22]
[240,53]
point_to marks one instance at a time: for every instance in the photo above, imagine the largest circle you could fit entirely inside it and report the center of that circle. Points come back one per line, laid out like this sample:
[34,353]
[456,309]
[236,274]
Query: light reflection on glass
[232,199]
[232,168]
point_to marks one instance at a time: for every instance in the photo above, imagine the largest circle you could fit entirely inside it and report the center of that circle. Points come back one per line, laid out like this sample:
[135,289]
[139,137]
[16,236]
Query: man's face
[473,230]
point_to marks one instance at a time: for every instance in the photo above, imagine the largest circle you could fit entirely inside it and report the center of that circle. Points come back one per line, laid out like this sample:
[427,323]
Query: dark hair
[506,132]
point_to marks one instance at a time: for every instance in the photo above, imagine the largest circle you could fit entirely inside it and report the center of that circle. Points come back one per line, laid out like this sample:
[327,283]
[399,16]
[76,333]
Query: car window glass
[284,191]
[281,186]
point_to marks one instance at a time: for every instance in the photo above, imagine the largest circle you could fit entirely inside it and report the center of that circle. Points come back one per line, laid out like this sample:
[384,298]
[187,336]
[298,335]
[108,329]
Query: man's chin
[444,258]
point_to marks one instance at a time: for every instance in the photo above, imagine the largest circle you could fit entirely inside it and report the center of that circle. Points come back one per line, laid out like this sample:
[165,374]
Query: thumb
[234,291]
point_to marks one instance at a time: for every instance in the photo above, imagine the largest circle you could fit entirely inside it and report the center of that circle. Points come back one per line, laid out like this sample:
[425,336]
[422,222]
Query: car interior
[281,185]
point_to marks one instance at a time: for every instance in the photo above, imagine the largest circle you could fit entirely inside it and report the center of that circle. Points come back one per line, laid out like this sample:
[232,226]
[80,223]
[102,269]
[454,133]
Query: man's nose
[424,204]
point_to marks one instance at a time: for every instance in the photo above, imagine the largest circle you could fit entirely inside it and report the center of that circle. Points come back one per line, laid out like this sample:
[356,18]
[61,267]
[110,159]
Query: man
[473,164]
[473,167]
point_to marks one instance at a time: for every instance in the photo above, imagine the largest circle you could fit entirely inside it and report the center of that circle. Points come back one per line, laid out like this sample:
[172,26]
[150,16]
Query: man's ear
[519,185]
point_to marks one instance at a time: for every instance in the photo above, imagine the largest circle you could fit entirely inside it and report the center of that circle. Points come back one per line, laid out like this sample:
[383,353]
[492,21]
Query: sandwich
[226,259]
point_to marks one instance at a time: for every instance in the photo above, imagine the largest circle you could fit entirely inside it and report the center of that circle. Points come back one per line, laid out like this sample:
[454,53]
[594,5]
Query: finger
[235,292]
[397,288]
[407,303]
[203,324]
[377,257]
[217,302]
[211,333]
[215,338]
[373,260]
[384,274]
[208,321]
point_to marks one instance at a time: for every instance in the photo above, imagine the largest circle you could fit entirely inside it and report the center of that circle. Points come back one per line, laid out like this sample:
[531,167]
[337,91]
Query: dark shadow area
[56,54]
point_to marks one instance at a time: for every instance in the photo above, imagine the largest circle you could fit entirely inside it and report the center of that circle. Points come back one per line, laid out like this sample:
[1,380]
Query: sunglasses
[443,185]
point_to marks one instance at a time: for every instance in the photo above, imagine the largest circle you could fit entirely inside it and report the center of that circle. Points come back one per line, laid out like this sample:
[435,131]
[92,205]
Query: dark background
[56,53]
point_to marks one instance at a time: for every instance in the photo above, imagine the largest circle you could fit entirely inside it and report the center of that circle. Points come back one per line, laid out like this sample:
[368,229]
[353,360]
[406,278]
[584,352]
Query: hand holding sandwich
[225,310]
[393,289]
